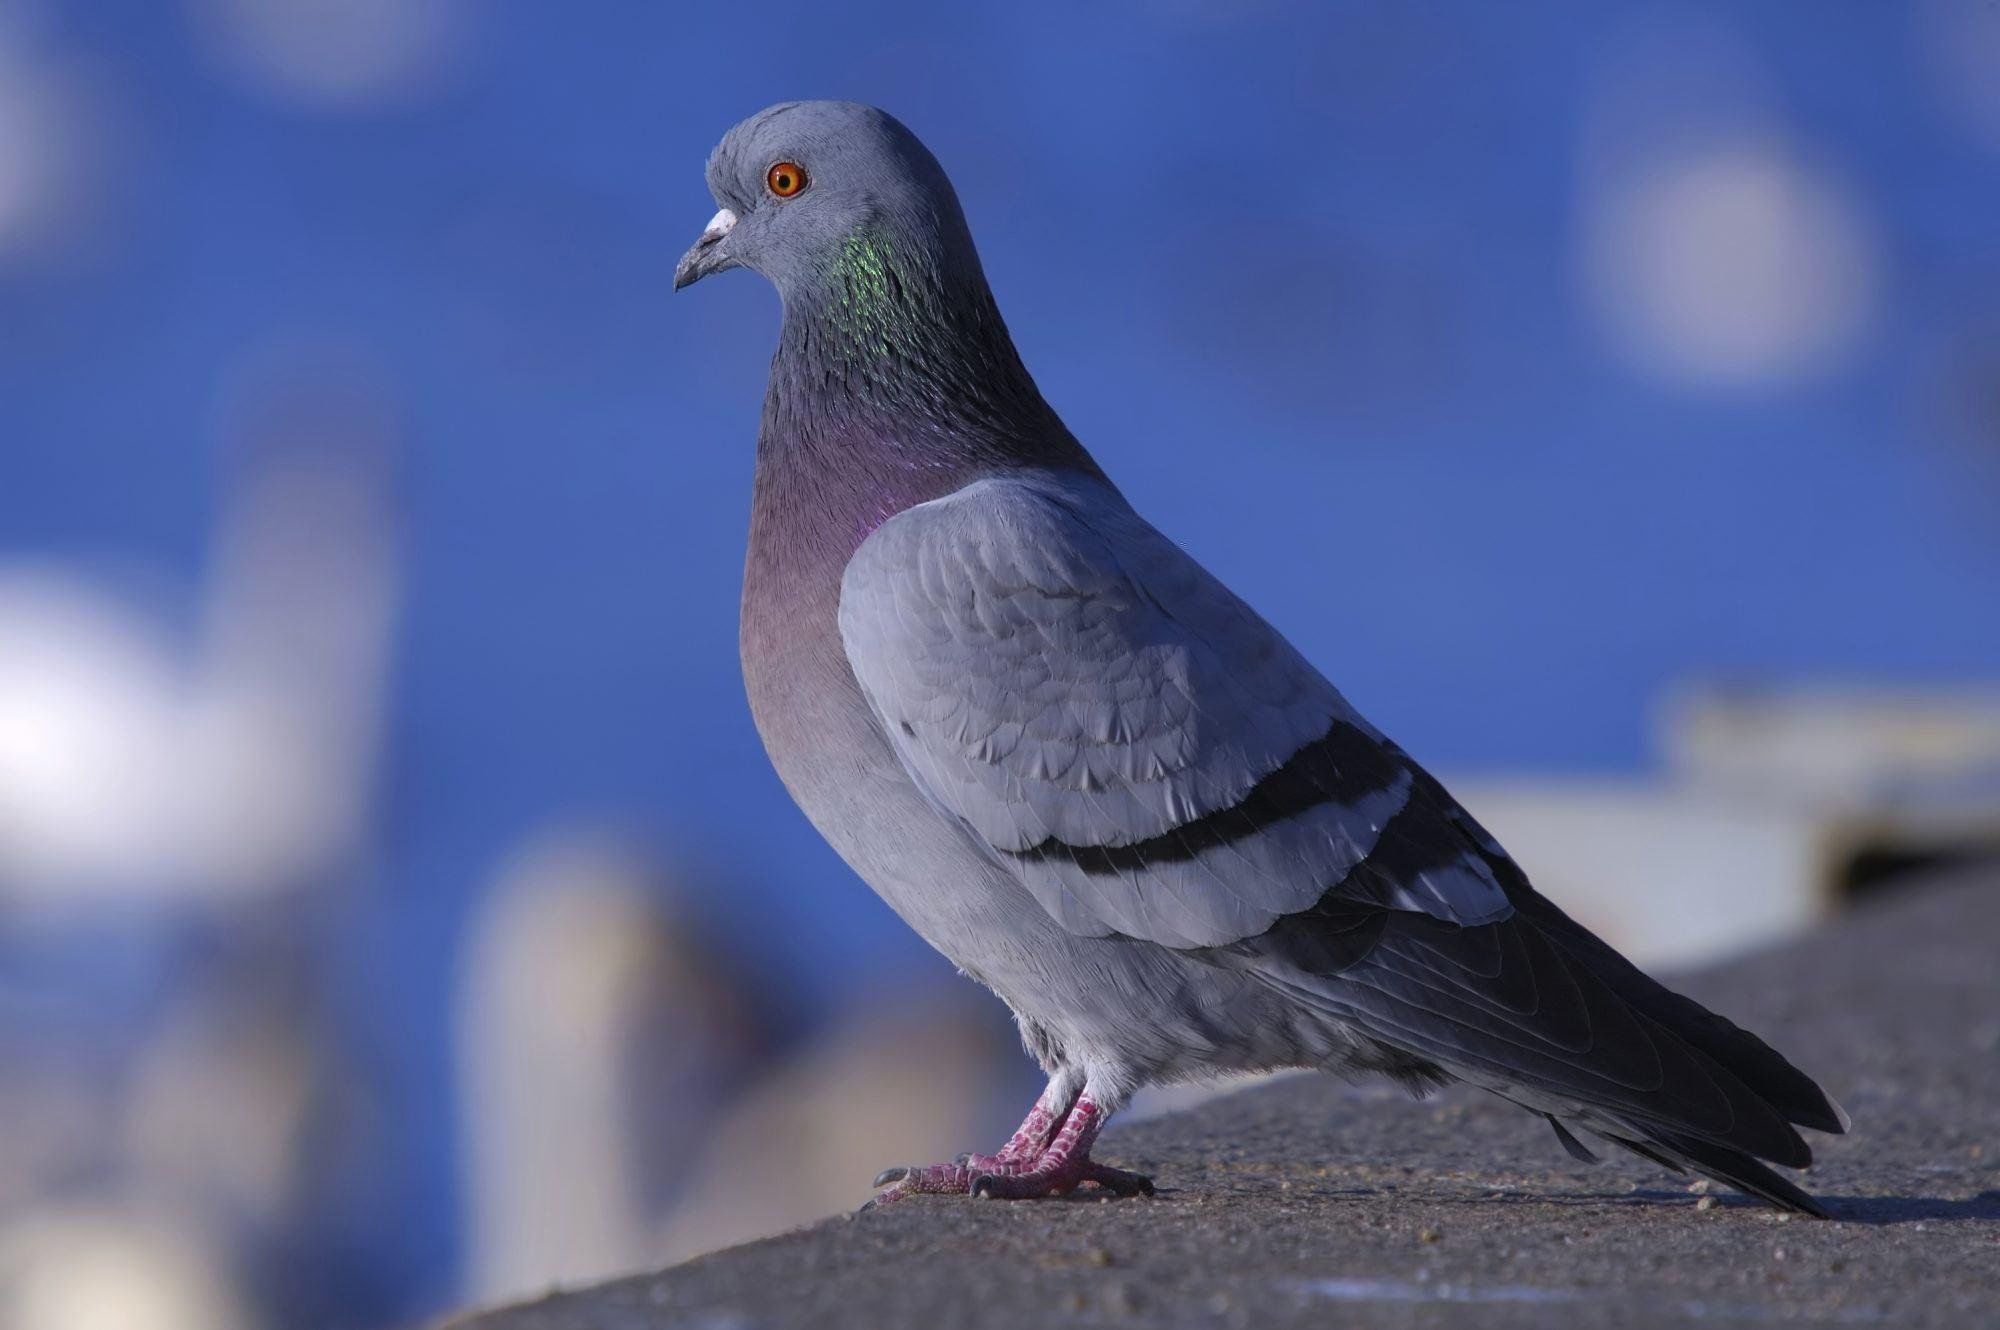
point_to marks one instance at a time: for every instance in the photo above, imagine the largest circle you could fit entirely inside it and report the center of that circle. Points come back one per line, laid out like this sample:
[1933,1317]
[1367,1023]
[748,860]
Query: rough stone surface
[1310,1202]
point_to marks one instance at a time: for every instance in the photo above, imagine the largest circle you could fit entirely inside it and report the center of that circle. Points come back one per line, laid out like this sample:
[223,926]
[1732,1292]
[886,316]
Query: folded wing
[1118,729]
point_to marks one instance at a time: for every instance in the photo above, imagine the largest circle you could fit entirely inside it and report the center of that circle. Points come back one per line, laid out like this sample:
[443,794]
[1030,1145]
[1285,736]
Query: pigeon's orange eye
[785,179]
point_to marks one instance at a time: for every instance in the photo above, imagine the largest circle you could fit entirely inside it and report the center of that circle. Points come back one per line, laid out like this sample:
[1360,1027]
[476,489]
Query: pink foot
[1018,1154]
[1022,1172]
[923,1180]
[1008,1183]
[1022,1149]
[999,1163]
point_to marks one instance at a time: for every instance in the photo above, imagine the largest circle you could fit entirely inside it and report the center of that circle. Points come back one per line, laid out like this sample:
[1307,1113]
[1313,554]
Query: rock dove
[1094,778]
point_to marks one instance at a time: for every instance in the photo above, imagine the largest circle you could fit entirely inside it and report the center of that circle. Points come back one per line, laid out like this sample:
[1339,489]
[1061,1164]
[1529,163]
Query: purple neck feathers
[895,383]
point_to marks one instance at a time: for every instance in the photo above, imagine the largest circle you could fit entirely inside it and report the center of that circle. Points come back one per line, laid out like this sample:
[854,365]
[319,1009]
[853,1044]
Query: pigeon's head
[807,186]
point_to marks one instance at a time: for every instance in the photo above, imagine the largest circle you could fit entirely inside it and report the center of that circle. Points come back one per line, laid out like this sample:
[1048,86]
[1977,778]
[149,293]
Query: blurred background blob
[395,906]
[1717,249]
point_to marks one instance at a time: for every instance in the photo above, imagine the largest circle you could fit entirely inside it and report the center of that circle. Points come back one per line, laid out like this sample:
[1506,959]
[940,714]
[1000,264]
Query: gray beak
[710,254]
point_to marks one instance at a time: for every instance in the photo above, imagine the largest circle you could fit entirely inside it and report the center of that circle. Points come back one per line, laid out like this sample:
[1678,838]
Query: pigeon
[1094,778]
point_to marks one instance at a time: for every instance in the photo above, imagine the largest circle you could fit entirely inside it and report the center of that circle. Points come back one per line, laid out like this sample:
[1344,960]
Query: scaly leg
[1032,1137]
[1025,1146]
[1062,1165]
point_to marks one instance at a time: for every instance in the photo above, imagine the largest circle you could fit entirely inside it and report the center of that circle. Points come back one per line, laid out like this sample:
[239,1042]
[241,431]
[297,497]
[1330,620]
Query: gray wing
[1151,758]
[1121,732]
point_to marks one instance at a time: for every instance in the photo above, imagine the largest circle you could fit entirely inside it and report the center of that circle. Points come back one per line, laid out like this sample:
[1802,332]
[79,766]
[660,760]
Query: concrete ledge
[1311,1202]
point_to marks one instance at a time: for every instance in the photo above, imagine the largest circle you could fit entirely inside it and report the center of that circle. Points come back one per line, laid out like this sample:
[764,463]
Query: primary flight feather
[1096,780]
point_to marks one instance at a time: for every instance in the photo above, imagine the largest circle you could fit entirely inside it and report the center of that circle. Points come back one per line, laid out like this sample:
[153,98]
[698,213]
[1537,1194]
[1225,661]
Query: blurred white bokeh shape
[1715,250]
[335,55]
[89,700]
[596,1035]
[113,1269]
[1731,264]
[234,758]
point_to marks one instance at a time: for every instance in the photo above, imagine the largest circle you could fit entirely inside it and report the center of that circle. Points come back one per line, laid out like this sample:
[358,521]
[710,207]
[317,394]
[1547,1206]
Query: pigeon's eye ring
[785,179]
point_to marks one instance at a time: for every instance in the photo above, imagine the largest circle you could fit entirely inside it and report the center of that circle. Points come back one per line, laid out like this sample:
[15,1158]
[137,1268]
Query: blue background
[1304,279]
